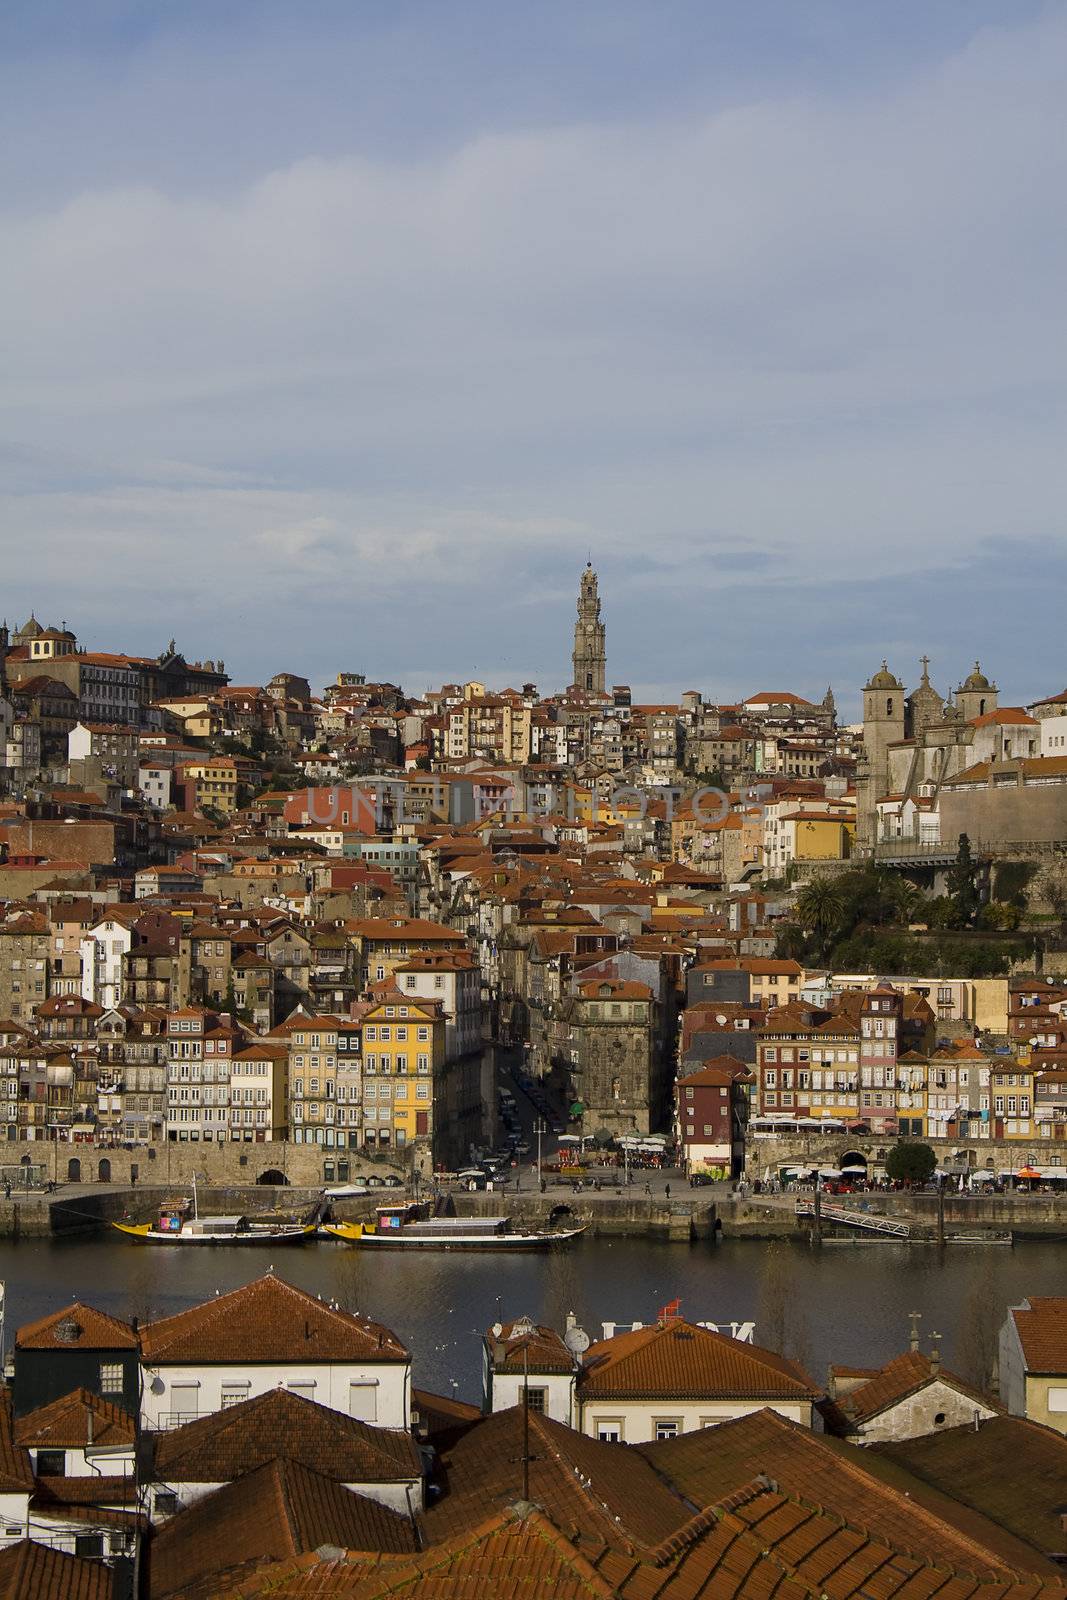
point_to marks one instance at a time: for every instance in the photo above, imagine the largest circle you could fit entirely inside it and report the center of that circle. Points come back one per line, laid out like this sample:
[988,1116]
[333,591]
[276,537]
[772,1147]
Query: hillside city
[674,970]
[716,926]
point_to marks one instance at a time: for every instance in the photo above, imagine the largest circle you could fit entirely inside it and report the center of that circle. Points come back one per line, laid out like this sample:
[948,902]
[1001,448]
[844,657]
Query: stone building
[616,1078]
[913,742]
[589,661]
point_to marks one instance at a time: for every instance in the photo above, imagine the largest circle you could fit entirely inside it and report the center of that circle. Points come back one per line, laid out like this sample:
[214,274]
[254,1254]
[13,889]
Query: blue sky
[337,335]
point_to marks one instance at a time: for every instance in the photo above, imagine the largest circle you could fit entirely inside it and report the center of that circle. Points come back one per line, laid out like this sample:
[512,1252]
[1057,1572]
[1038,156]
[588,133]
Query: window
[167,1503]
[233,1394]
[111,1377]
[305,1389]
[363,1401]
[609,1432]
[51,1463]
[537,1399]
[88,1544]
[668,1428]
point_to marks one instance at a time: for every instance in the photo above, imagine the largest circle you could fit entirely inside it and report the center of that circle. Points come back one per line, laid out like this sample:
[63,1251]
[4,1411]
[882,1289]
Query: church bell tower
[589,664]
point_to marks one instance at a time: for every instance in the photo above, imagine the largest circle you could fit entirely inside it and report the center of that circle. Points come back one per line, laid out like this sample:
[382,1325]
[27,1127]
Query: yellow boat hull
[350,1232]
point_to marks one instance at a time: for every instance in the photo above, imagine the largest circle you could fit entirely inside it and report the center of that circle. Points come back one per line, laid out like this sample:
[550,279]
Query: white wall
[916,1416]
[1011,1369]
[387,1385]
[559,1398]
[403,1496]
[90,1463]
[638,1418]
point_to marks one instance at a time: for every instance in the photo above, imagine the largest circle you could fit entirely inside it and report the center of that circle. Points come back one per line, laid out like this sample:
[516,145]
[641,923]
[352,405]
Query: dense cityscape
[533,800]
[526,966]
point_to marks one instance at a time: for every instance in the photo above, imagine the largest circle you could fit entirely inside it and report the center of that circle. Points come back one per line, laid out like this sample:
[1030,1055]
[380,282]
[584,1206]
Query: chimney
[914,1317]
[935,1354]
[831,1383]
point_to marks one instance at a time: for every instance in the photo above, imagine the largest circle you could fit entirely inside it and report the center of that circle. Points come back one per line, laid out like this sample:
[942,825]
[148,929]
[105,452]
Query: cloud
[745,351]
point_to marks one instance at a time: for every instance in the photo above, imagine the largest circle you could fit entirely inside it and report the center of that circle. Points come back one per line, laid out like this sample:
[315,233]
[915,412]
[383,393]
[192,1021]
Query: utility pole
[526,1421]
[539,1128]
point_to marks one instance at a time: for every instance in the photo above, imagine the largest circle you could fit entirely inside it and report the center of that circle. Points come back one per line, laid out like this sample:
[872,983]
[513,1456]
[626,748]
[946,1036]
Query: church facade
[916,747]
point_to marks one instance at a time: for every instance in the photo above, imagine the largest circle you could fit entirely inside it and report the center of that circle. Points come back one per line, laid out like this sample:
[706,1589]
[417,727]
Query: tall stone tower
[589,655]
[883,725]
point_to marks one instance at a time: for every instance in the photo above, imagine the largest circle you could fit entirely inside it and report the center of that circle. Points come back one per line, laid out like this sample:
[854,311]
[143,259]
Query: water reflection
[846,1303]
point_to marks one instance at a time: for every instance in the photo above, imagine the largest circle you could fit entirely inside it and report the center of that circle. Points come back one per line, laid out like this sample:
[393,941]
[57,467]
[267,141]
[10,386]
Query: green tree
[910,1163]
[230,1003]
[962,888]
[820,906]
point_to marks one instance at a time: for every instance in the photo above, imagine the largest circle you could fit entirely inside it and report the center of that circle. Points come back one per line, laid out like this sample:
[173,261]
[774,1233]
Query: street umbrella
[1028,1172]
[602,1137]
[853,1167]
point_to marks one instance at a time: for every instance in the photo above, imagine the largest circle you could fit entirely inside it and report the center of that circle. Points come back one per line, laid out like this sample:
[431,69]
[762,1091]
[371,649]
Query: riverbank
[704,1214]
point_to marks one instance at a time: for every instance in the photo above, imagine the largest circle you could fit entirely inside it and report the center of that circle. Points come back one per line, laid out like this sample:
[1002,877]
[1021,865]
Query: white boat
[410,1227]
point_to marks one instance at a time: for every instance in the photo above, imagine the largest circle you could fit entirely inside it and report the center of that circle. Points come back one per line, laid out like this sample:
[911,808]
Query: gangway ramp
[865,1220]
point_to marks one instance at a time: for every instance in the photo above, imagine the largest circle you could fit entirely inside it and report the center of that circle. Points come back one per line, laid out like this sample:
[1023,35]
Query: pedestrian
[7,1189]
[648,1190]
[668,1191]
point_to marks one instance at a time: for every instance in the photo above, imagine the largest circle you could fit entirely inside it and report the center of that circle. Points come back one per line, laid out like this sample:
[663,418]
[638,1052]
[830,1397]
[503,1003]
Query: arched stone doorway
[103,1171]
[272,1176]
[853,1165]
[74,1170]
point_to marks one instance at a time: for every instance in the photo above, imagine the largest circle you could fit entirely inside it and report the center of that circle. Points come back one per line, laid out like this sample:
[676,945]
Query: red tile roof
[1042,1328]
[31,1571]
[525,1341]
[227,1444]
[268,1320]
[682,1360]
[272,1514]
[76,1419]
[602,1490]
[76,1327]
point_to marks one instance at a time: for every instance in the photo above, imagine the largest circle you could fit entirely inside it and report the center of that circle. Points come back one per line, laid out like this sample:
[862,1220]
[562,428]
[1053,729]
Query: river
[845,1303]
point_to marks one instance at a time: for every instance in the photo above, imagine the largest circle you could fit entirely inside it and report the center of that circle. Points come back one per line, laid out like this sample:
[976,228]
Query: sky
[338,336]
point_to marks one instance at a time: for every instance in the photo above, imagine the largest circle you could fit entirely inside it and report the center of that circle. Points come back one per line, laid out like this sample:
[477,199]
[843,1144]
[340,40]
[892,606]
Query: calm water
[843,1303]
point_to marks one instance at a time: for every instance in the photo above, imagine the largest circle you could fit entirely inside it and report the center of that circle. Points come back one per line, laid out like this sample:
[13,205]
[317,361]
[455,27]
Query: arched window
[889,708]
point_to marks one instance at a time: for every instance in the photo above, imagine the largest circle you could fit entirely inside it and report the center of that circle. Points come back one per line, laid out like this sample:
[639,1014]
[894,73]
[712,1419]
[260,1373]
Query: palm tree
[820,905]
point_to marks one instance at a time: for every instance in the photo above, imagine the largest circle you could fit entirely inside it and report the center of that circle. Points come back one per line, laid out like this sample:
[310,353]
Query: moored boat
[411,1227]
[180,1222]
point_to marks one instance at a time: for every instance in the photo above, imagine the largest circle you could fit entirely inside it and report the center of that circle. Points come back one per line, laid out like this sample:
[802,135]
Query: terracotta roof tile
[603,1490]
[15,1474]
[229,1443]
[707,1465]
[1042,1328]
[76,1419]
[31,1571]
[76,1327]
[279,1511]
[682,1359]
[524,1340]
[895,1381]
[969,1464]
[268,1320]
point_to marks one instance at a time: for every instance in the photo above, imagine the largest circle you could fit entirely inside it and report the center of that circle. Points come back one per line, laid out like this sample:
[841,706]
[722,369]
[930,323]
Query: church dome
[884,679]
[977,679]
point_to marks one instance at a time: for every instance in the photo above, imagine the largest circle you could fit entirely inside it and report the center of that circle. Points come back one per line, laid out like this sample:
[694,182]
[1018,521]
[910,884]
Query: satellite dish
[577,1340]
[497,1329]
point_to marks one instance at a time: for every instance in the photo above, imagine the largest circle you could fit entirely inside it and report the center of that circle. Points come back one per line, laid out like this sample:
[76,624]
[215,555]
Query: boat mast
[196,1211]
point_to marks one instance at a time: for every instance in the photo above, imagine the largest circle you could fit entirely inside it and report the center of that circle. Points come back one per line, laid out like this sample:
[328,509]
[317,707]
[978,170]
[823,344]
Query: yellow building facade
[403,1071]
